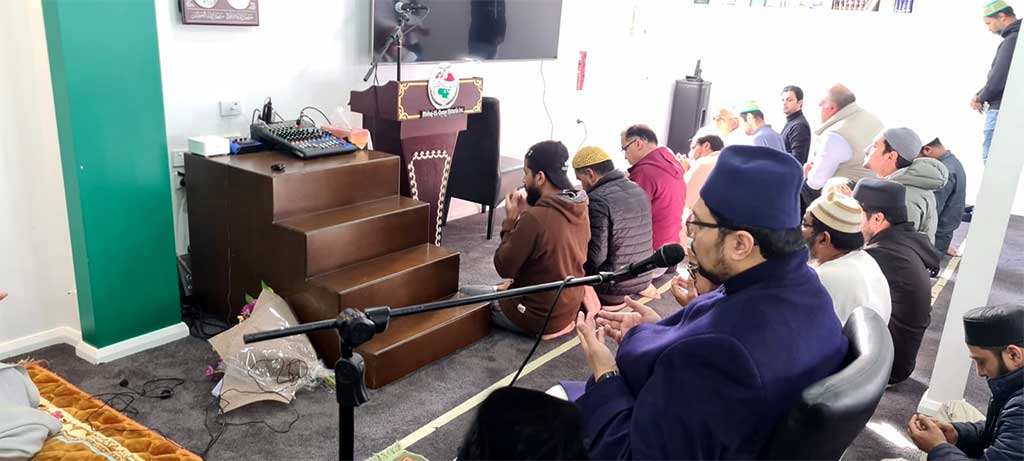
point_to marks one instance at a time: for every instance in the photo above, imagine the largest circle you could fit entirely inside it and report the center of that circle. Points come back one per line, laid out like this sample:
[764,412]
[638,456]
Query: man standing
[845,132]
[1001,20]
[620,223]
[895,156]
[712,380]
[544,238]
[995,339]
[659,174]
[831,228]
[949,199]
[905,256]
[761,134]
[796,135]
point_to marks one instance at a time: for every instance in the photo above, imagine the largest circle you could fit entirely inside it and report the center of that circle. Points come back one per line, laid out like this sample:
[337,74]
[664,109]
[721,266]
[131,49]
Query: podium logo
[443,87]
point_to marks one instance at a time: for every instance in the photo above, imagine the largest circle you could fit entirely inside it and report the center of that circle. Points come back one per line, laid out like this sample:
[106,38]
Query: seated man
[949,199]
[543,239]
[895,156]
[831,229]
[728,126]
[995,339]
[761,133]
[659,174]
[703,155]
[620,223]
[905,256]
[712,380]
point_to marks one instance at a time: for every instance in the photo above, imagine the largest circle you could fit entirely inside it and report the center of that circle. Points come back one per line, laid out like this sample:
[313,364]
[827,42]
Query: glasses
[693,224]
[628,144]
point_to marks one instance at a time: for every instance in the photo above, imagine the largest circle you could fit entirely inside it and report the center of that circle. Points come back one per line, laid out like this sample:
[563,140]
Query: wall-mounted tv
[453,30]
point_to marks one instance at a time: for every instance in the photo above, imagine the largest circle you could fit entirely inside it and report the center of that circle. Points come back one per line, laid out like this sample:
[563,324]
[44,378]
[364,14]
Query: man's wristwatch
[605,376]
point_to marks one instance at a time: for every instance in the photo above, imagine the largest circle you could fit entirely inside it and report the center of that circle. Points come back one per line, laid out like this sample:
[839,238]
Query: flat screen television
[454,30]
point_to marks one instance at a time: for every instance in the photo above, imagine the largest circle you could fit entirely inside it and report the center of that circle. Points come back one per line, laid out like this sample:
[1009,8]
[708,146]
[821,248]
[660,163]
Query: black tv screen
[453,30]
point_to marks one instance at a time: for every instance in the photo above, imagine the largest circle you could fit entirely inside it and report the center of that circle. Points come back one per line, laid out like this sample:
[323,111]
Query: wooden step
[339,237]
[415,275]
[414,341]
[331,182]
[313,185]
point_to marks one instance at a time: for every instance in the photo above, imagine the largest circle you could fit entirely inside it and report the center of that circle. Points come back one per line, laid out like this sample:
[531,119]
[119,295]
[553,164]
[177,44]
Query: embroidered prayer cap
[995,326]
[589,156]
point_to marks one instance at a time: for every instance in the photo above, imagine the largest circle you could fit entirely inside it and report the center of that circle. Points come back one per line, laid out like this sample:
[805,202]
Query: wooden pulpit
[403,120]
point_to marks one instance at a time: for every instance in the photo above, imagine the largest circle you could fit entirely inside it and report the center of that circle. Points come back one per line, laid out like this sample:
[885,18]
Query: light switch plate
[230,108]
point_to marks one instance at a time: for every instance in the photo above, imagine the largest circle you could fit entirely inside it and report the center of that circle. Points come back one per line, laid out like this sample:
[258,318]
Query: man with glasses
[656,170]
[712,380]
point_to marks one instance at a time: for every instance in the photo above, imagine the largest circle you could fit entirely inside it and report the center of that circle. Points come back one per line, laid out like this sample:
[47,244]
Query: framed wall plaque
[220,12]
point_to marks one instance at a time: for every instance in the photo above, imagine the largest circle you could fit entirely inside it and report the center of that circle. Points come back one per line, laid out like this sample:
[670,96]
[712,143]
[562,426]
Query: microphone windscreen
[669,255]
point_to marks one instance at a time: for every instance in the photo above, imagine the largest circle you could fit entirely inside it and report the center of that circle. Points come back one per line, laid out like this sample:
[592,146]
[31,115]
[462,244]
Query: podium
[402,120]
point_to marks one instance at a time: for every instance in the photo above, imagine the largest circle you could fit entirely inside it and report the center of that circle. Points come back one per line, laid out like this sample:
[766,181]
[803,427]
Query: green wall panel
[105,70]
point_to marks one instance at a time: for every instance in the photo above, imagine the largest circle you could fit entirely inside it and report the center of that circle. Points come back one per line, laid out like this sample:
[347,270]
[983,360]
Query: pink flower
[57,414]
[209,372]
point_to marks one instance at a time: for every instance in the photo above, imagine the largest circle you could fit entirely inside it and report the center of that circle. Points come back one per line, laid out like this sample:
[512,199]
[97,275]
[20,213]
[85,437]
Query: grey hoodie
[922,178]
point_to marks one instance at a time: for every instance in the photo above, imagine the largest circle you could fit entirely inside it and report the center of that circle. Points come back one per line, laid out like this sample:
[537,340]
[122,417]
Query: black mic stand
[396,36]
[356,327]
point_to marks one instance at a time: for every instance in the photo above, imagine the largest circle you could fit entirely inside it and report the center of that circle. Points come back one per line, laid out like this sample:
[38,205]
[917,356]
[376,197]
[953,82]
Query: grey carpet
[404,406]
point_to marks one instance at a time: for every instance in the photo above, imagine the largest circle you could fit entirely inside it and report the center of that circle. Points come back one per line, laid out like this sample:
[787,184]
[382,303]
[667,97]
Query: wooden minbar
[402,120]
[327,234]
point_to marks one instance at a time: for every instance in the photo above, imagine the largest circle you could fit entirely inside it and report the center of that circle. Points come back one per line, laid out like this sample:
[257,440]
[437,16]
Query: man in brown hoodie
[544,238]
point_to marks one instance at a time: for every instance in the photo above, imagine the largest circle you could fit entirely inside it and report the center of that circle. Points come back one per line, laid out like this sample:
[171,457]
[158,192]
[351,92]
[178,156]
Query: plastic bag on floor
[269,370]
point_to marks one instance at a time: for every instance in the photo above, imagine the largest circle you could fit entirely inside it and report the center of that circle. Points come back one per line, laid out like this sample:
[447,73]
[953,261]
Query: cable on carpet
[540,334]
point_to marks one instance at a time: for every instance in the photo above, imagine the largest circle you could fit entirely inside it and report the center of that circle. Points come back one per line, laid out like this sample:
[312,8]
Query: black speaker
[689,112]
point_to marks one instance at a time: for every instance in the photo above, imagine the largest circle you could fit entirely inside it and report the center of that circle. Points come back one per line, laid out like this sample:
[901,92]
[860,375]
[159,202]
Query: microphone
[667,256]
[408,7]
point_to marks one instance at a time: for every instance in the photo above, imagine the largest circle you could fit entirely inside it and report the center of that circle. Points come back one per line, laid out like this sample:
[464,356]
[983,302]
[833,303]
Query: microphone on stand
[667,256]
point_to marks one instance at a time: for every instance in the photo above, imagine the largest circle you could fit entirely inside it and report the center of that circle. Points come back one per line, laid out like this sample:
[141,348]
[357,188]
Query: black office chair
[833,411]
[479,173]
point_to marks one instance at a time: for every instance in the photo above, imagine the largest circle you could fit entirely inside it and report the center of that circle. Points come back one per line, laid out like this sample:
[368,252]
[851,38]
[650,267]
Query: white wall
[918,70]
[35,247]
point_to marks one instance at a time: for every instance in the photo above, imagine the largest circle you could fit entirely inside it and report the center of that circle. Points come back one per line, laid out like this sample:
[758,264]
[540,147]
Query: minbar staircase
[327,234]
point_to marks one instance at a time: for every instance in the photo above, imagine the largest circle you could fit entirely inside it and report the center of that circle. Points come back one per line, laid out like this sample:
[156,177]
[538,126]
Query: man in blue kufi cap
[712,380]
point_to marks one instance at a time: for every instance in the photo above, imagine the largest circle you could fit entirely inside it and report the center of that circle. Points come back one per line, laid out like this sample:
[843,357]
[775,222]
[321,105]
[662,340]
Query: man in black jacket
[995,338]
[906,257]
[796,135]
[1001,20]
[620,223]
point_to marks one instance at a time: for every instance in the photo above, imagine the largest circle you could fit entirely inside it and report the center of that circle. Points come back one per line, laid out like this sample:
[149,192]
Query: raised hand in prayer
[598,355]
[617,324]
[925,433]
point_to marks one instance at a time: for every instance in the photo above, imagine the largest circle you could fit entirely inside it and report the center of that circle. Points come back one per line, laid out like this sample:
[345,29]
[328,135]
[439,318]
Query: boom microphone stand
[356,327]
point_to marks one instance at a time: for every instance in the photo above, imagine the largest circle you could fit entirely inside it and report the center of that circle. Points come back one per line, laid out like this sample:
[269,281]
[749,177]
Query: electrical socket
[177,158]
[230,108]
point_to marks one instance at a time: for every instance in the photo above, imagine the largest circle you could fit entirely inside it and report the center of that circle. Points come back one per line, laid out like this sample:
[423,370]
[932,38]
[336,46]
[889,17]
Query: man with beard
[712,380]
[995,339]
[905,256]
[831,228]
[544,239]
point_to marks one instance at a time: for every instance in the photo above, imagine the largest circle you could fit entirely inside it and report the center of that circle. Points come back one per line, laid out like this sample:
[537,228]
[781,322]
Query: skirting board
[59,335]
[130,346]
[927,406]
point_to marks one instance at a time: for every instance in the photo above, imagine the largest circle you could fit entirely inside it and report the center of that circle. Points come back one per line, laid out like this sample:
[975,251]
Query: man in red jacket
[659,174]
